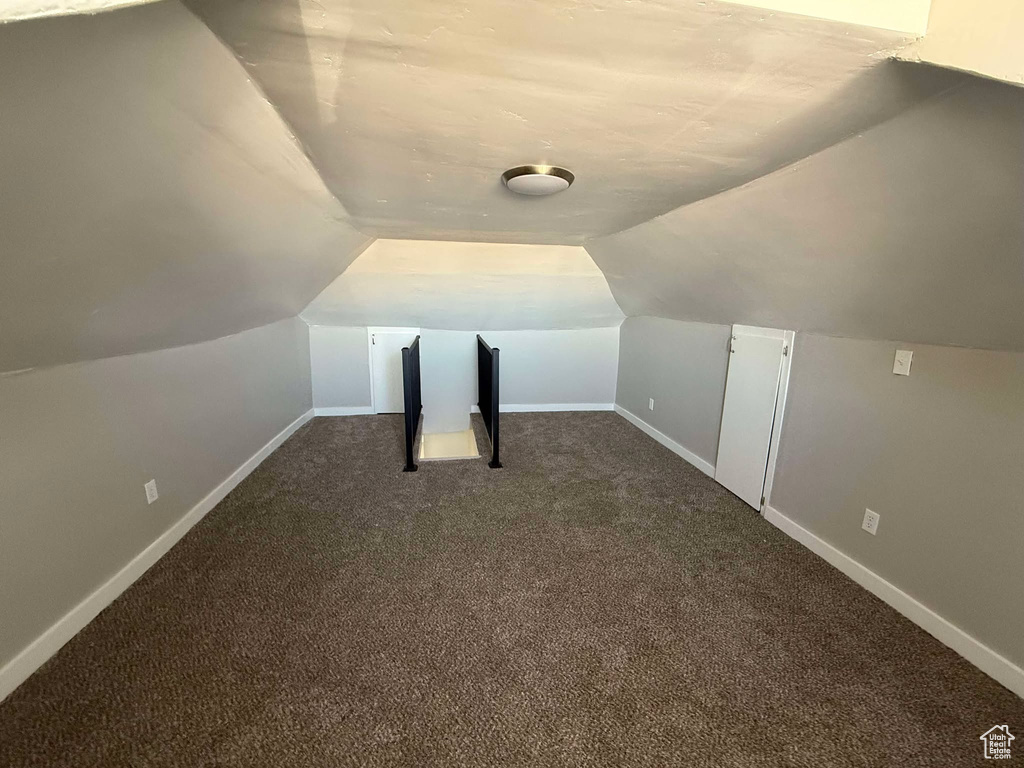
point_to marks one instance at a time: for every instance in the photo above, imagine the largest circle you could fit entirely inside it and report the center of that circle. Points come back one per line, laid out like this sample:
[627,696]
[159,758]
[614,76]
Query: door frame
[370,330]
[789,340]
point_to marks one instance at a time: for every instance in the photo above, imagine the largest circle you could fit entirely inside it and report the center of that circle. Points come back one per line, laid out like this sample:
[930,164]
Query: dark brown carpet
[598,602]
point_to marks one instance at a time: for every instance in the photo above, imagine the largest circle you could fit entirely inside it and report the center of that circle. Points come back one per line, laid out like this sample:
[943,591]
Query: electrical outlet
[901,365]
[151,494]
[871,520]
[650,404]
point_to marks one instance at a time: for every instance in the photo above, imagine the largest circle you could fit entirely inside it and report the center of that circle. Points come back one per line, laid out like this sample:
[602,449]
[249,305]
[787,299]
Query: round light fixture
[537,179]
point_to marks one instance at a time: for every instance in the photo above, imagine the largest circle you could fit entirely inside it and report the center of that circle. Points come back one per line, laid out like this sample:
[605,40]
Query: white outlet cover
[151,494]
[871,521]
[650,404]
[901,365]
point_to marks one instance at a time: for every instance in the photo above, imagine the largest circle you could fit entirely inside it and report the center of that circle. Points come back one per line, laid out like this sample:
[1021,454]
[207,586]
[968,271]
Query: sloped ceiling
[902,15]
[913,231]
[470,287]
[411,111]
[14,10]
[150,196]
[981,36]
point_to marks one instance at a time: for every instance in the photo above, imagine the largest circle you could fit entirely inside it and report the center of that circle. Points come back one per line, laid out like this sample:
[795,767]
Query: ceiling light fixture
[537,179]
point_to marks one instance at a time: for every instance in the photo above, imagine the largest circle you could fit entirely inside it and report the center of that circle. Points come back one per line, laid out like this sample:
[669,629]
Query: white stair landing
[447,446]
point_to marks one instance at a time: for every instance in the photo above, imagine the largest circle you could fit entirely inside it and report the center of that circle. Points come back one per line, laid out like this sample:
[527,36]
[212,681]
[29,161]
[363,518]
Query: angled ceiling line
[175,208]
[428,121]
[910,232]
[912,56]
[945,93]
[292,133]
[81,8]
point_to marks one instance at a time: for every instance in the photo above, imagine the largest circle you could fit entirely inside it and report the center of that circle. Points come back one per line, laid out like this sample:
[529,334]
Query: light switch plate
[151,494]
[901,365]
[650,404]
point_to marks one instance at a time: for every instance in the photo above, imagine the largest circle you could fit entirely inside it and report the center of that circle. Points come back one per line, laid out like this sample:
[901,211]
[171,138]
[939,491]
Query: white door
[386,367]
[751,395]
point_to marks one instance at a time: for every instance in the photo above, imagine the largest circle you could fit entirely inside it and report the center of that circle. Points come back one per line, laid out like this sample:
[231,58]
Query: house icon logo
[997,742]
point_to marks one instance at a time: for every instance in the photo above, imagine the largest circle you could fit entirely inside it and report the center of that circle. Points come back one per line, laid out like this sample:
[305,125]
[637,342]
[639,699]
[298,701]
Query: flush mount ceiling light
[537,179]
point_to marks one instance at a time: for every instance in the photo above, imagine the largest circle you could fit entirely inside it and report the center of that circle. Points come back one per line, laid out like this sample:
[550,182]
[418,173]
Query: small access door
[386,344]
[758,366]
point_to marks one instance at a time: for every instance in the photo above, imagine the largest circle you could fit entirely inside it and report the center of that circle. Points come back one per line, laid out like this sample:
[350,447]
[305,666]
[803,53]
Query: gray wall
[682,366]
[341,366]
[551,367]
[537,367]
[79,441]
[938,454]
[911,230]
[151,196]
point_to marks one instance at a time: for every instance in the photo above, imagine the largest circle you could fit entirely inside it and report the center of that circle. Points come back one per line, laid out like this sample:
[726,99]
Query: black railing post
[487,394]
[494,463]
[413,402]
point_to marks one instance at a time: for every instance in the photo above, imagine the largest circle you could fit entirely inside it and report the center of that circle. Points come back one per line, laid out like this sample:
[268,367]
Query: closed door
[386,367]
[748,417]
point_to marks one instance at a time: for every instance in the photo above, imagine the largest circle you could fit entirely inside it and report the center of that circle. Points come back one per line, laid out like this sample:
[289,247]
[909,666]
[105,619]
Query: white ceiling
[468,286]
[153,195]
[901,15]
[411,111]
[14,10]
[149,197]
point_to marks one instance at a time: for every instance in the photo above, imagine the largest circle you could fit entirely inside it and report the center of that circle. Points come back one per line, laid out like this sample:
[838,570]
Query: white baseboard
[706,467]
[980,655]
[355,410]
[548,407]
[18,669]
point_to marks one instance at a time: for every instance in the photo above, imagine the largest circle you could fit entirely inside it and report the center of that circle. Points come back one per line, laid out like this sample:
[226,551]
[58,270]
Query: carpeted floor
[597,602]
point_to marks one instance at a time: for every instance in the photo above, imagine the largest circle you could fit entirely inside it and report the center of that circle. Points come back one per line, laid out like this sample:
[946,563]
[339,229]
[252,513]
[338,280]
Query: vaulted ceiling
[162,186]
[149,197]
[411,111]
[913,230]
[468,287]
